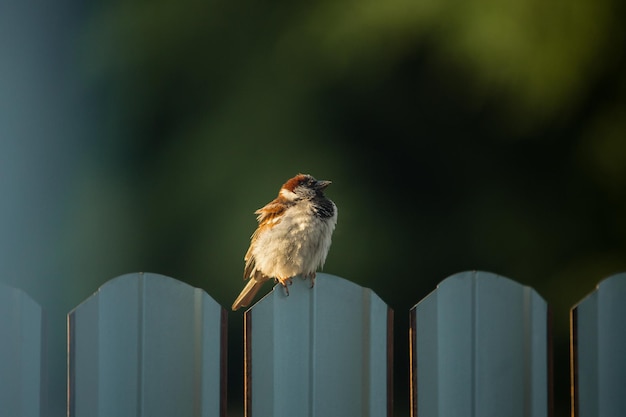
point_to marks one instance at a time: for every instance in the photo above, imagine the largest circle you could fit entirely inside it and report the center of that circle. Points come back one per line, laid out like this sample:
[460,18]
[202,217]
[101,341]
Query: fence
[148,345]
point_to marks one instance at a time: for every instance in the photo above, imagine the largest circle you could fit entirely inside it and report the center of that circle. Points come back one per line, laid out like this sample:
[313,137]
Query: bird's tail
[247,294]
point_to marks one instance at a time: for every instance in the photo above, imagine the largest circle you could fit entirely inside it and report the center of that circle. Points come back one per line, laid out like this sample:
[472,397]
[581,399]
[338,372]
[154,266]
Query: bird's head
[303,186]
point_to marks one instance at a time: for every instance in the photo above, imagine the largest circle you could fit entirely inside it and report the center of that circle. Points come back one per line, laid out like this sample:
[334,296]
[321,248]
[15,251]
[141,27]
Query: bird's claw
[311,276]
[285,282]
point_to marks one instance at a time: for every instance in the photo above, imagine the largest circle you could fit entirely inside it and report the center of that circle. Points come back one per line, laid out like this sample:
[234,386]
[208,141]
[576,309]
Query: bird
[292,239]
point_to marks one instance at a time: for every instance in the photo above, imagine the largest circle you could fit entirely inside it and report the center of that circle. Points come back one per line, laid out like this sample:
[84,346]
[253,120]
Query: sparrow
[293,236]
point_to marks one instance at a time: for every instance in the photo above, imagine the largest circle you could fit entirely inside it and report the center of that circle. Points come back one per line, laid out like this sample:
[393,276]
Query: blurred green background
[142,135]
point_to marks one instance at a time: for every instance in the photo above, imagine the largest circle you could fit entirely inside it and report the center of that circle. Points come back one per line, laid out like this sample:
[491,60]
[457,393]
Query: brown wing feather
[268,216]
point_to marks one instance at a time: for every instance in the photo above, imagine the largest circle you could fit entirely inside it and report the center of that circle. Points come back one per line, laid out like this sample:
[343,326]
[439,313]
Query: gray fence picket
[319,352]
[599,350]
[146,345]
[480,347]
[22,368]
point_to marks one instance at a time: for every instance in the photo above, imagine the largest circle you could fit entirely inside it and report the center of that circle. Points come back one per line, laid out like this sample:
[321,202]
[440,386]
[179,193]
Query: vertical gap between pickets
[574,394]
[223,362]
[140,331]
[389,362]
[413,361]
[247,364]
[474,316]
[550,362]
[312,344]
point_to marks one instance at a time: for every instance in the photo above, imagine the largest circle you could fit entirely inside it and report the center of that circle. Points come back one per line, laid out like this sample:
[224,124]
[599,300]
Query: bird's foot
[310,276]
[285,282]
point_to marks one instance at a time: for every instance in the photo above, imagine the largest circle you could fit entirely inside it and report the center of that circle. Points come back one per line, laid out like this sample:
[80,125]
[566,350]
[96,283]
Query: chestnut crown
[304,186]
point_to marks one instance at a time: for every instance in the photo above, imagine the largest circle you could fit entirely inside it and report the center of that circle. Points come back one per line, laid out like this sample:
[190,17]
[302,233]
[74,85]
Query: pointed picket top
[319,352]
[480,347]
[598,344]
[22,369]
[145,345]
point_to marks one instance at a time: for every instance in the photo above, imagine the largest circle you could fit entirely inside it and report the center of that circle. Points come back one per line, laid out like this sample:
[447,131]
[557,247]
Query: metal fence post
[146,345]
[598,351]
[22,367]
[480,347]
[319,352]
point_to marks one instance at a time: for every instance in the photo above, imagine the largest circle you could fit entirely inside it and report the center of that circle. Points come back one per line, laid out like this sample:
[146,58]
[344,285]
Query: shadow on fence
[480,345]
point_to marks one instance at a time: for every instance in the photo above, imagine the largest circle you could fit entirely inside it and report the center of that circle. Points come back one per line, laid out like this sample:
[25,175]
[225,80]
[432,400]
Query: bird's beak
[322,184]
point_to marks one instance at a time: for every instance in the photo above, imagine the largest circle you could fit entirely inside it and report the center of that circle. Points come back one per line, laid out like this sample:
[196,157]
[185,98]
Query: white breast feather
[298,245]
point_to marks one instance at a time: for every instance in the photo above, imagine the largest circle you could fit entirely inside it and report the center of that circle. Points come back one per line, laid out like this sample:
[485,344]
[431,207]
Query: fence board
[22,369]
[479,347]
[319,352]
[599,351]
[146,345]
